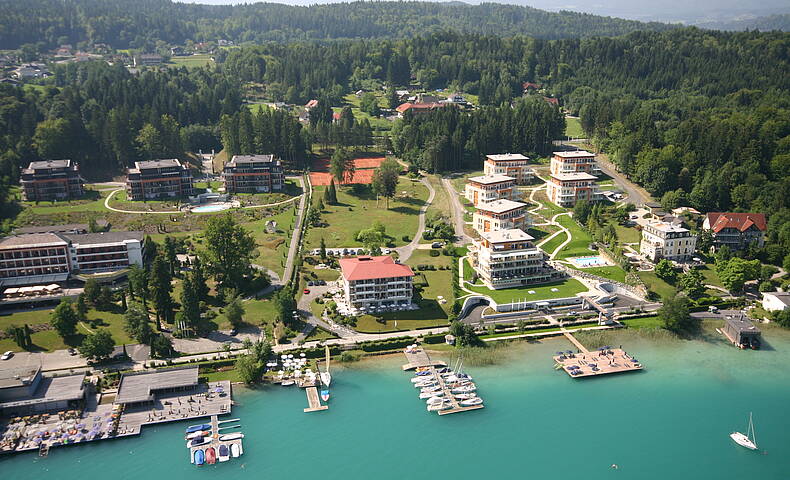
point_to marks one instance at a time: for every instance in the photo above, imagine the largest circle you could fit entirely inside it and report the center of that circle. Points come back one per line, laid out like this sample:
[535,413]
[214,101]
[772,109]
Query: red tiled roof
[311,104]
[370,268]
[718,221]
[528,85]
[418,106]
[552,100]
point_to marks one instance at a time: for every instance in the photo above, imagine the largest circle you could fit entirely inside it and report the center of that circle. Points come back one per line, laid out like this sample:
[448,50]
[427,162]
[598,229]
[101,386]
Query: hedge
[391,344]
[433,339]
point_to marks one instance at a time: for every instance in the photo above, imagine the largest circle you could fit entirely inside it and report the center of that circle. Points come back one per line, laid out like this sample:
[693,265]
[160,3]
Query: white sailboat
[326,377]
[749,440]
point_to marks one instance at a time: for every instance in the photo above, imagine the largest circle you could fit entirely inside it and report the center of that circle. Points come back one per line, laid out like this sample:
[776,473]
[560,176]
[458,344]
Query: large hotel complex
[51,180]
[253,174]
[371,283]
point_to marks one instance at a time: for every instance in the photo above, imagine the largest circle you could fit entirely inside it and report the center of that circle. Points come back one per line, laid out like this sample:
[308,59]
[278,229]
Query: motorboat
[198,458]
[420,378]
[326,377]
[288,382]
[196,442]
[195,428]
[755,343]
[435,393]
[211,456]
[231,436]
[325,395]
[465,389]
[425,384]
[198,434]
[235,450]
[438,406]
[471,402]
[224,453]
[748,440]
[464,396]
[435,400]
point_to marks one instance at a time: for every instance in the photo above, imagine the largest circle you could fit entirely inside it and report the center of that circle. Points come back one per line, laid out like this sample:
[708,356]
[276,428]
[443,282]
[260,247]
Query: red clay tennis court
[363,171]
[323,178]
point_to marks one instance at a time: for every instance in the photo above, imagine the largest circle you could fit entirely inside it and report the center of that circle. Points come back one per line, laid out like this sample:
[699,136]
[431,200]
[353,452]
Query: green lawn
[272,247]
[555,242]
[120,201]
[566,288]
[358,212]
[614,272]
[655,284]
[578,246]
[627,234]
[644,322]
[319,333]
[441,201]
[459,182]
[256,312]
[93,201]
[191,61]
[573,128]
[710,276]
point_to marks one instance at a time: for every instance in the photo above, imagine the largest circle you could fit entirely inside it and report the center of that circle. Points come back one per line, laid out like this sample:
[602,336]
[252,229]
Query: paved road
[405,251]
[296,238]
[456,213]
[636,194]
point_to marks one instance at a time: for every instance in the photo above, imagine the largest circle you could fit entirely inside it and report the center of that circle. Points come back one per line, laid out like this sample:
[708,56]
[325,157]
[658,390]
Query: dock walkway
[313,401]
[418,358]
[215,441]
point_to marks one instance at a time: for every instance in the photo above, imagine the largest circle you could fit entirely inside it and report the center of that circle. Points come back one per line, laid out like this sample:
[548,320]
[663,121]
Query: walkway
[567,232]
[405,251]
[296,238]
[456,213]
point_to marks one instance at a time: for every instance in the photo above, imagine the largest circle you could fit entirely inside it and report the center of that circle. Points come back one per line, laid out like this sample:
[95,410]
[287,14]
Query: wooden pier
[419,359]
[215,441]
[314,401]
[600,362]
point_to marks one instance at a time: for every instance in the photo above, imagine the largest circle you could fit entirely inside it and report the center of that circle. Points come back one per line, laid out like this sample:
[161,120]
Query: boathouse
[741,331]
[142,388]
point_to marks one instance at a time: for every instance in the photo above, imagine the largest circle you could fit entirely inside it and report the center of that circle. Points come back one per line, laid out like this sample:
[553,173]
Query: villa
[158,179]
[376,282]
[736,230]
[51,180]
[565,189]
[508,258]
[668,240]
[488,188]
[510,164]
[501,215]
[578,161]
[253,174]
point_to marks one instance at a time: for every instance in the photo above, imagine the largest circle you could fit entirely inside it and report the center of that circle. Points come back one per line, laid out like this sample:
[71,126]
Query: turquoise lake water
[671,421]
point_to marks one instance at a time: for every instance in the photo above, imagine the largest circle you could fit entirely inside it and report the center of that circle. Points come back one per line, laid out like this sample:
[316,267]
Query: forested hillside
[145,24]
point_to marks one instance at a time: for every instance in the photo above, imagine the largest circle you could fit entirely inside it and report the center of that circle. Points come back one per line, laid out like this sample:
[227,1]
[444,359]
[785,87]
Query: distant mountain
[766,23]
[142,23]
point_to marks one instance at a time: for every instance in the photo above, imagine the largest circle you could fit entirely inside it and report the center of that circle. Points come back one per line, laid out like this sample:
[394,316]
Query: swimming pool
[585,262]
[211,207]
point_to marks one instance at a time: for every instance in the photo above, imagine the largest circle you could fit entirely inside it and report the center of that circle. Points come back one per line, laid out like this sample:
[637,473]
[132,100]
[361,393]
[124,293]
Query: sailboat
[326,377]
[749,440]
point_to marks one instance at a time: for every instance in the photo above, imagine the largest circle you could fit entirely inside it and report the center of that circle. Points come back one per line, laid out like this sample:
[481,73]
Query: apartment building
[510,164]
[579,161]
[508,258]
[736,230]
[501,215]
[376,282]
[565,189]
[51,180]
[487,188]
[158,179]
[253,174]
[668,240]
[40,258]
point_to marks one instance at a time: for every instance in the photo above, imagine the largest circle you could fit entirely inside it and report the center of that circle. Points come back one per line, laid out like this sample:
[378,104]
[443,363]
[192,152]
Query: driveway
[456,213]
[215,341]
[57,360]
[405,251]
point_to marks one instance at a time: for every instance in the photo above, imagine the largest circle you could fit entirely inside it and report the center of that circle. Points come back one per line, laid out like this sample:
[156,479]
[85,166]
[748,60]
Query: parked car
[71,351]
[437,245]
[233,332]
[310,283]
[306,291]
[322,282]
[7,355]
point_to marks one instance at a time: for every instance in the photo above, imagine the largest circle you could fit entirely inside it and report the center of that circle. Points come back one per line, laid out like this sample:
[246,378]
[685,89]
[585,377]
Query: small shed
[741,332]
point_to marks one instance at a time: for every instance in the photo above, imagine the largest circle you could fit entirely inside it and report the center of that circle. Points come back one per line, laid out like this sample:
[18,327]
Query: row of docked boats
[207,447]
[444,389]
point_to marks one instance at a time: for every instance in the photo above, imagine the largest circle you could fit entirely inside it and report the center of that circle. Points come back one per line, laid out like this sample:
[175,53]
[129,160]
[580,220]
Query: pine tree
[160,288]
[199,280]
[170,255]
[190,303]
[323,249]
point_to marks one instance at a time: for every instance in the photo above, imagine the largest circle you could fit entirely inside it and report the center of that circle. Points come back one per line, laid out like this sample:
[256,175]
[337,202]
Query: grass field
[710,276]
[93,201]
[191,61]
[256,312]
[376,123]
[573,128]
[644,322]
[441,201]
[272,247]
[613,272]
[578,246]
[655,284]
[459,182]
[355,212]
[566,288]
[555,242]
[627,234]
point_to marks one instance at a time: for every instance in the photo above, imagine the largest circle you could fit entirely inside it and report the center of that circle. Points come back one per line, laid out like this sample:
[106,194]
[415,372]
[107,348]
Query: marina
[447,391]
[217,447]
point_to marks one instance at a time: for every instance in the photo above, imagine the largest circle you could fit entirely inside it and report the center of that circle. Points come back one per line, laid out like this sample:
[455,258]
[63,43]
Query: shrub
[406,238]
[434,253]
[433,339]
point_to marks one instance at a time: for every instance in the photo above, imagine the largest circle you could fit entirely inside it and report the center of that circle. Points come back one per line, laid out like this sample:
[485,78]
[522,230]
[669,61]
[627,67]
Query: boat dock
[603,361]
[314,401]
[215,441]
[418,358]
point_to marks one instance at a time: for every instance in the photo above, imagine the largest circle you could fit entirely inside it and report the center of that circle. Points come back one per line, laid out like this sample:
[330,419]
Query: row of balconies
[33,262]
[32,271]
[32,254]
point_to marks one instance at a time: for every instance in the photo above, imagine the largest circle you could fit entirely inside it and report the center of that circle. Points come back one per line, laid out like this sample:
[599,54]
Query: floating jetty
[603,361]
[418,358]
[215,439]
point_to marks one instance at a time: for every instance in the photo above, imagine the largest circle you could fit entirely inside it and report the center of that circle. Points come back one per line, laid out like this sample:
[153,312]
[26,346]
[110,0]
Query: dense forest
[146,24]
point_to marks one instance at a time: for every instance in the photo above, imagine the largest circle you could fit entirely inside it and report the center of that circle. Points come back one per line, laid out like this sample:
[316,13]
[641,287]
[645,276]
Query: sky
[683,11]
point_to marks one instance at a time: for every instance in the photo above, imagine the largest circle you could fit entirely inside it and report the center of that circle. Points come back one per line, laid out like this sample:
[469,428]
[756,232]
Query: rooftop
[16,377]
[511,235]
[668,227]
[32,240]
[371,268]
[741,324]
[783,297]
[165,163]
[52,389]
[567,177]
[574,154]
[140,387]
[491,179]
[69,227]
[49,164]
[740,221]
[237,159]
[500,206]
[104,237]
[506,157]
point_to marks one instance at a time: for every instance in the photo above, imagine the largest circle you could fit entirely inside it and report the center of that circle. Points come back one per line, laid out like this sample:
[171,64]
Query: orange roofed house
[736,230]
[371,283]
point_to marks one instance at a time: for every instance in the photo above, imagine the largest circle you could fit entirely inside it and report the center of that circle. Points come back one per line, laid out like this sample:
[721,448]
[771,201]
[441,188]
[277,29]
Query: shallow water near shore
[673,419]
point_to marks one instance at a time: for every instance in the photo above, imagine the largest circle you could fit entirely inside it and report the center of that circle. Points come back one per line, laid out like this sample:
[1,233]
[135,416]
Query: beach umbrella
[302,355]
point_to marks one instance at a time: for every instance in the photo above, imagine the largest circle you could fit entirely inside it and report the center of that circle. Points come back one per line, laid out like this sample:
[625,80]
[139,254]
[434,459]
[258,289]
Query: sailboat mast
[327,357]
[751,432]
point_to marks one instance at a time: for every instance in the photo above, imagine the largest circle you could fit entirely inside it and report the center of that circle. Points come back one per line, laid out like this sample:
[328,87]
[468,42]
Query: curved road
[405,251]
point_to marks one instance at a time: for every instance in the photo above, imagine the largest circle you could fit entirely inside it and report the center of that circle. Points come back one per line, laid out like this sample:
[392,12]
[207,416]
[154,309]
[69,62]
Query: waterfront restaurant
[26,391]
[142,388]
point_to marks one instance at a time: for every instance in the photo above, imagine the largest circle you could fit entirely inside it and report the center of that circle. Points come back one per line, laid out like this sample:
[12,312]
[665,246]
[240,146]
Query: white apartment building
[510,164]
[376,283]
[565,189]
[487,188]
[501,215]
[667,240]
[508,258]
[579,161]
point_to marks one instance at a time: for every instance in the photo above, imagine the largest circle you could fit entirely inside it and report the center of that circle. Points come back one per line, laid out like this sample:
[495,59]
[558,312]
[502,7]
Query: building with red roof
[371,283]
[419,107]
[736,230]
[311,104]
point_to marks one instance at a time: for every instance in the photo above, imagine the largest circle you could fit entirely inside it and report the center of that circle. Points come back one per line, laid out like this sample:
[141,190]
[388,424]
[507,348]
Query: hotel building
[487,188]
[501,215]
[736,230]
[158,179]
[51,180]
[508,258]
[511,165]
[253,174]
[376,282]
[565,189]
[667,240]
[578,161]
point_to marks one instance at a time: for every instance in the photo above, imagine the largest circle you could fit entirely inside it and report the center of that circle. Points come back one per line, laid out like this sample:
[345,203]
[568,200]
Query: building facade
[43,258]
[376,282]
[776,301]
[736,230]
[253,174]
[501,215]
[508,258]
[158,179]
[579,161]
[488,188]
[26,391]
[667,240]
[51,180]
[565,189]
[510,164]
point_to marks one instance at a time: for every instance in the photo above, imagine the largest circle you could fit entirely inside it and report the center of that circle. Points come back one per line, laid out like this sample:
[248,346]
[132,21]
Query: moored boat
[748,440]
[196,442]
[198,457]
[439,406]
[195,428]
[464,396]
[231,436]
[288,382]
[234,450]
[224,453]
[198,434]
[436,393]
[465,389]
[471,402]
[211,456]
[325,395]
